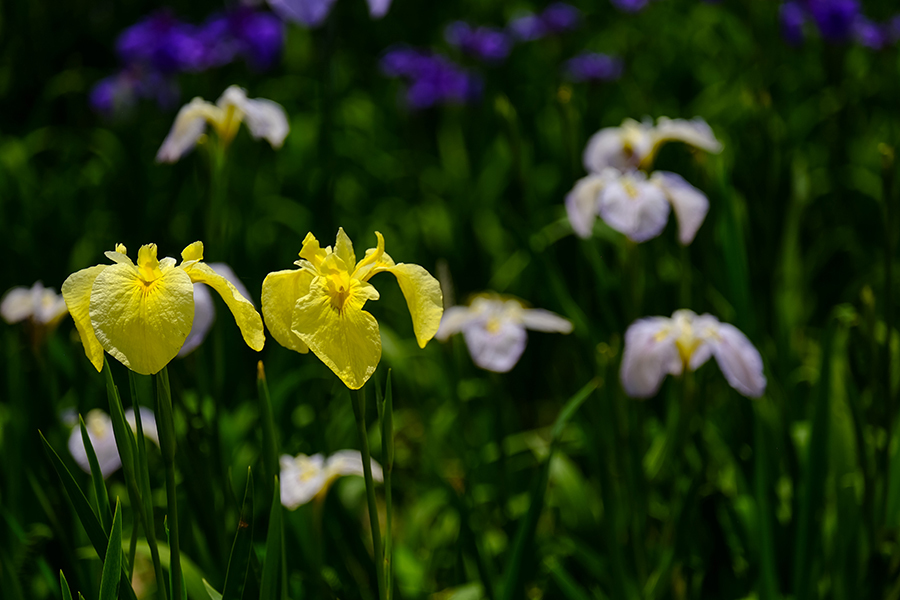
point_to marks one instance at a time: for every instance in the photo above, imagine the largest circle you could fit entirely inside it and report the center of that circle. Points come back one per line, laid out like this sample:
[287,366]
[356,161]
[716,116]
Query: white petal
[349,462]
[148,423]
[454,320]
[498,347]
[378,8]
[690,204]
[539,319]
[100,432]
[204,317]
[622,148]
[49,306]
[190,123]
[301,479]
[266,119]
[739,361]
[17,305]
[634,206]
[695,132]
[581,203]
[650,354]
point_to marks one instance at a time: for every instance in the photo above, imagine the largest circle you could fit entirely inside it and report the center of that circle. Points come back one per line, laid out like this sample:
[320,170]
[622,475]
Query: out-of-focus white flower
[100,431]
[494,328]
[659,346]
[305,477]
[636,205]
[634,145]
[205,310]
[264,118]
[42,305]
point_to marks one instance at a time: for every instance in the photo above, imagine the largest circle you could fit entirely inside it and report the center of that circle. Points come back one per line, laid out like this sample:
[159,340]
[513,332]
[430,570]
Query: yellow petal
[246,317]
[311,250]
[192,252]
[347,339]
[375,257]
[423,297]
[142,325]
[76,291]
[343,247]
[280,292]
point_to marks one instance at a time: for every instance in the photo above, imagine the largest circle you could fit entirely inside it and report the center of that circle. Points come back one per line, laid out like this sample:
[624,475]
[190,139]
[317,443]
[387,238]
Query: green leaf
[121,429]
[269,436]
[566,583]
[570,407]
[112,565]
[213,594]
[66,593]
[272,566]
[102,507]
[239,561]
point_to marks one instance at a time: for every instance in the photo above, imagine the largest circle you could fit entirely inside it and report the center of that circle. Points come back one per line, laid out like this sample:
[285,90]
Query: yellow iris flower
[320,305]
[141,314]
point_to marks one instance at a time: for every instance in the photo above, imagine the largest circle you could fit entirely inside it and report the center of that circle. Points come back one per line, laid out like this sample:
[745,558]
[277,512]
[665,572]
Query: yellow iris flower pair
[142,313]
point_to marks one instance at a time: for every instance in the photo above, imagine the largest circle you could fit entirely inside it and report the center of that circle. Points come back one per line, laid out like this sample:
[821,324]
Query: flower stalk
[167,447]
[359,411]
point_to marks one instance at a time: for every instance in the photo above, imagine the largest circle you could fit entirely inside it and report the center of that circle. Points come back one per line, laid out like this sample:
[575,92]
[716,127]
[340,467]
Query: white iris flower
[634,145]
[636,205]
[660,346]
[100,431]
[42,305]
[264,119]
[306,477]
[494,329]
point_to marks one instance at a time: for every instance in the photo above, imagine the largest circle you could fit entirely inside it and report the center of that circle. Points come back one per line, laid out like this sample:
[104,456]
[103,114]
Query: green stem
[167,446]
[887,180]
[359,411]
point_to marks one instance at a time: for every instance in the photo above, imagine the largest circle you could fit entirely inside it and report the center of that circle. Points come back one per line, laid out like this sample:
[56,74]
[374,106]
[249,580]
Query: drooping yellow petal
[142,324]
[423,297]
[246,317]
[345,337]
[343,247]
[76,291]
[280,292]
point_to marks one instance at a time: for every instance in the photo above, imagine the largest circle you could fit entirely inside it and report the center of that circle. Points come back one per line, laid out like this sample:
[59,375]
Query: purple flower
[591,66]
[631,6]
[559,17]
[433,79]
[162,43]
[256,36]
[116,95]
[834,18]
[556,18]
[486,43]
[312,13]
[869,34]
[793,17]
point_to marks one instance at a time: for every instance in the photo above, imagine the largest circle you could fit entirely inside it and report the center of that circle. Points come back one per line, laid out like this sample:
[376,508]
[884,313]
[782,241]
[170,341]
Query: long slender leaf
[102,507]
[121,429]
[239,562]
[271,573]
[566,583]
[112,565]
[269,436]
[66,593]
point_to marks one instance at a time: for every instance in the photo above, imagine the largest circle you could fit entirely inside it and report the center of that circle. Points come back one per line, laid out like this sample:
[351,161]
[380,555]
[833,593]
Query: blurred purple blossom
[869,34]
[117,94]
[793,18]
[256,36]
[631,6]
[433,79]
[556,18]
[485,43]
[312,13]
[834,18]
[592,66]
[893,29]
[162,43]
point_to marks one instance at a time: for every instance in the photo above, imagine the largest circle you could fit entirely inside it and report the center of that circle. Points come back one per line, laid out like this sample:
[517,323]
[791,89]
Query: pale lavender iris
[592,66]
[433,79]
[312,13]
[485,43]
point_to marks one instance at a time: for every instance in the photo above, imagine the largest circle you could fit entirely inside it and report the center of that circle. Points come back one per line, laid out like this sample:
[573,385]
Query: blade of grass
[359,412]
[387,455]
[167,444]
[564,580]
[112,564]
[102,507]
[239,561]
[269,436]
[66,592]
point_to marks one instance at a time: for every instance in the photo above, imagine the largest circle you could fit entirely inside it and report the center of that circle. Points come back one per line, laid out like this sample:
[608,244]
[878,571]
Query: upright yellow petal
[246,317]
[76,291]
[280,292]
[423,297]
[312,251]
[142,324]
[343,247]
[192,252]
[346,339]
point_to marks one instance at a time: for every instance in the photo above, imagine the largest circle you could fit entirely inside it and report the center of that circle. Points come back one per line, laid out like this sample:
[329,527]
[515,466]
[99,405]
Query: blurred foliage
[697,493]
